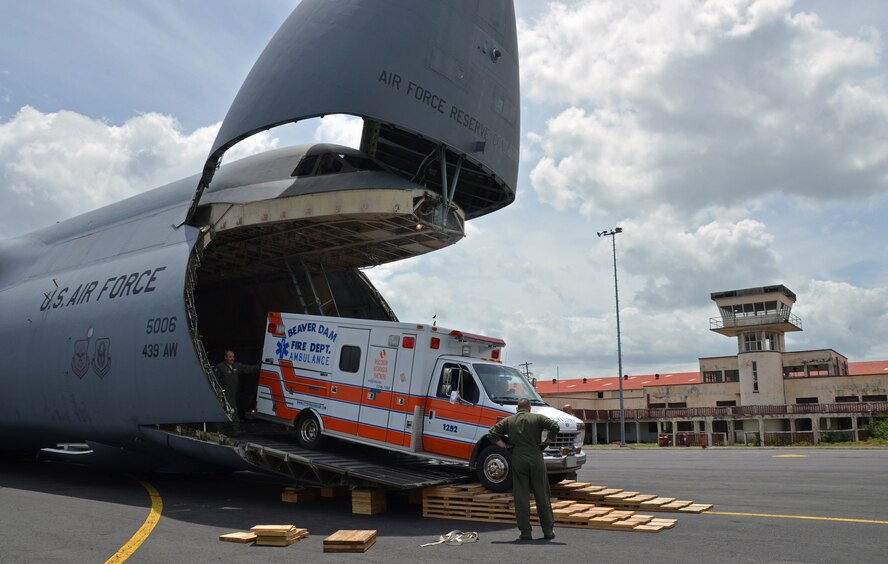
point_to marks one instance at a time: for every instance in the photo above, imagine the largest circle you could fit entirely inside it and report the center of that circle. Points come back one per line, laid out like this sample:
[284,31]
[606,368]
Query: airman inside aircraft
[229,373]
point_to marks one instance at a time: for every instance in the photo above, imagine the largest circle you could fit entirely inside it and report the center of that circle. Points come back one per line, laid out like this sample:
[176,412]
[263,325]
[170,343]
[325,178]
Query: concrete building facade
[763,395]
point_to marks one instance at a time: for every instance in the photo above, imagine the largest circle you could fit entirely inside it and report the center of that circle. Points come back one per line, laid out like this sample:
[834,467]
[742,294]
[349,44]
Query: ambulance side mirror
[446,389]
[448,376]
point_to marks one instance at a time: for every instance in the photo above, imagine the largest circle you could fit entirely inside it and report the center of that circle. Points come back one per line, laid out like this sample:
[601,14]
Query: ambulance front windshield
[505,385]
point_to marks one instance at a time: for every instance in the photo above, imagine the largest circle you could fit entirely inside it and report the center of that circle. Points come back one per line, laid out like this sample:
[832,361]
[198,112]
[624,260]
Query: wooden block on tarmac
[594,512]
[656,502]
[675,505]
[641,498]
[598,495]
[368,502]
[334,492]
[473,488]
[562,504]
[649,528]
[349,541]
[696,508]
[278,535]
[414,496]
[604,520]
[238,536]
[621,496]
[494,498]
[299,496]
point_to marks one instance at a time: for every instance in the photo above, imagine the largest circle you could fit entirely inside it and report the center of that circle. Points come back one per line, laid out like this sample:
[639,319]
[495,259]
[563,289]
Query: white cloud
[602,159]
[57,165]
[693,104]
[678,268]
[833,315]
[340,129]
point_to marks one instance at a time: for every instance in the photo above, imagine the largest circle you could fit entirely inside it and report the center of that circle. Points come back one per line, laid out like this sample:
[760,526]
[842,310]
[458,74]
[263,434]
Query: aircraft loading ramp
[266,447]
[347,465]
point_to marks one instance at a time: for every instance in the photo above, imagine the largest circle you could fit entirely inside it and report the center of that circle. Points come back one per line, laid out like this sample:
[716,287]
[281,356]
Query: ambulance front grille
[563,440]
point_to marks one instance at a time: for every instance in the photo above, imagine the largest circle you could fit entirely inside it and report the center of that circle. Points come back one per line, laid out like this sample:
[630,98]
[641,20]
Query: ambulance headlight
[578,440]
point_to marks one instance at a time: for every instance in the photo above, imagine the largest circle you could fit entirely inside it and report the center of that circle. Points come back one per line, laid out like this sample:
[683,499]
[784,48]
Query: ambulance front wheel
[494,468]
[308,431]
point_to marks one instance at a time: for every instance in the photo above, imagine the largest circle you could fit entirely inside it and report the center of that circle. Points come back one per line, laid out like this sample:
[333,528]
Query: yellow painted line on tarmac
[809,517]
[141,535]
[790,456]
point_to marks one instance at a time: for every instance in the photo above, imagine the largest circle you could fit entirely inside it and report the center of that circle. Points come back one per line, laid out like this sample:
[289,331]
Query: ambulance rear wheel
[308,431]
[494,468]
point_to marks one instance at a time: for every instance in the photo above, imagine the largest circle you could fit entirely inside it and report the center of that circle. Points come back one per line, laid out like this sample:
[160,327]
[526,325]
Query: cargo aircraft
[111,321]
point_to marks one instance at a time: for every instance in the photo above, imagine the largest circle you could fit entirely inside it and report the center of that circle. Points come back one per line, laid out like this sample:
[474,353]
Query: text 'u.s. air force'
[123,285]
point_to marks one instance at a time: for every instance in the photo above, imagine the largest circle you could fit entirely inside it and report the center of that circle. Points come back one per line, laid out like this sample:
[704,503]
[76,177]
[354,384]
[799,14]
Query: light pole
[612,233]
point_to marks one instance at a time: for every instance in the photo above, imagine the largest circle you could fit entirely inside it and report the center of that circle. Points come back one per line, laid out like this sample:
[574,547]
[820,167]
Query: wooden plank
[279,530]
[675,505]
[656,502]
[350,541]
[332,492]
[696,508]
[238,536]
[648,528]
[301,496]
[641,498]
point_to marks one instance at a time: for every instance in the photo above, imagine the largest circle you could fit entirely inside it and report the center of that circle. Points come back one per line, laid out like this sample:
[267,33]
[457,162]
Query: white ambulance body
[417,389]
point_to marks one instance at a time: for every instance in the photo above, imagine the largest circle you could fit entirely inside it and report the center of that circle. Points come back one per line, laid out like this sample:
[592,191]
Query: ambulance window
[350,358]
[461,380]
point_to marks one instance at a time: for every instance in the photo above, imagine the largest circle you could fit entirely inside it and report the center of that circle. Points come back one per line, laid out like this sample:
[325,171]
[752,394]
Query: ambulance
[417,389]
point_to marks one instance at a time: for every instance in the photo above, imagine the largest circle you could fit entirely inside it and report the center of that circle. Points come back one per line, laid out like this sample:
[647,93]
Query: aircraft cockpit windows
[362,163]
[329,164]
[305,166]
[332,163]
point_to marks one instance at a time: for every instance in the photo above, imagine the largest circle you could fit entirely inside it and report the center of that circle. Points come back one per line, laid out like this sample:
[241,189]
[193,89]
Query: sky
[737,143]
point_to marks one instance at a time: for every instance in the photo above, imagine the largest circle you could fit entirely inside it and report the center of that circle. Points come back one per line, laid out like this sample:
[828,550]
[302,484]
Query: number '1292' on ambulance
[417,389]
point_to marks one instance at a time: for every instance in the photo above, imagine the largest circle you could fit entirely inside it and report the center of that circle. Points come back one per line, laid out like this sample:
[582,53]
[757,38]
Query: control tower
[759,318]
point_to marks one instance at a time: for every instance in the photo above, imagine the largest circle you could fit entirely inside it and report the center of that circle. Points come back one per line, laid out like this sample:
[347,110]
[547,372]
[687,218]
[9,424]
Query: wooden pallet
[464,502]
[350,541]
[612,497]
[278,535]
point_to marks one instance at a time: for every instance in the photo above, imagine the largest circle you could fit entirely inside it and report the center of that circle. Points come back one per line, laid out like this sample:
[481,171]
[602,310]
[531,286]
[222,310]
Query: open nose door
[426,74]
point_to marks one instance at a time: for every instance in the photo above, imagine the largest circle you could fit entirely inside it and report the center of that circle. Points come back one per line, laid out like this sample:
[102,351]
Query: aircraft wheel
[494,468]
[308,431]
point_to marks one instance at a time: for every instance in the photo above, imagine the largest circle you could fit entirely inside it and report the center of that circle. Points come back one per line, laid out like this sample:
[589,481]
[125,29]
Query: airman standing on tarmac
[524,430]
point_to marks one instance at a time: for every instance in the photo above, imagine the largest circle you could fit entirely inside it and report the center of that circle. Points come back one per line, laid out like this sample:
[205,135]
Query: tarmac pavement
[771,505]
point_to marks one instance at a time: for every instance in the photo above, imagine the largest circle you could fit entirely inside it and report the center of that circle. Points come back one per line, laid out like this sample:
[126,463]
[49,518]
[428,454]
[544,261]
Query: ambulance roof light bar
[462,336]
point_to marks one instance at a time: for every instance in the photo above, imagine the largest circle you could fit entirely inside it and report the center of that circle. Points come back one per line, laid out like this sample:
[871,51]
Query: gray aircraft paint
[95,334]
[445,71]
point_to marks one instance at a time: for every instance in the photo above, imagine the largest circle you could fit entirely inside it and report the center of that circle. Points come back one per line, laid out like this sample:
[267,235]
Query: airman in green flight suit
[524,430]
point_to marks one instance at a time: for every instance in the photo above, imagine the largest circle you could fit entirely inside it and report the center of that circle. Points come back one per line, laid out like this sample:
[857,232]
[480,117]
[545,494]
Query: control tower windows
[760,341]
